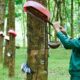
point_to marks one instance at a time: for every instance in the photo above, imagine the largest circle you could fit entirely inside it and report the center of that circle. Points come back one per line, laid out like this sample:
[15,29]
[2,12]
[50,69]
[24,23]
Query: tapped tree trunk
[37,47]
[11,44]
[2,14]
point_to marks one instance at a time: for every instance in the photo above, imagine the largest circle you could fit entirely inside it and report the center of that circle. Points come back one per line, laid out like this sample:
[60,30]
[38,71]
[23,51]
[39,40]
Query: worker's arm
[67,42]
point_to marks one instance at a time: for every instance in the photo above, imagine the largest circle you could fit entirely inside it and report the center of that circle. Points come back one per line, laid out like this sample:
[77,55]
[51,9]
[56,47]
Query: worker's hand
[56,26]
[63,30]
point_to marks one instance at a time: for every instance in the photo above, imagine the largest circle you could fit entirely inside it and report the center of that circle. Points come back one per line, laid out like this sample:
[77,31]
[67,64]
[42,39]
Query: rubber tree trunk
[11,58]
[72,30]
[2,13]
[58,12]
[5,53]
[63,12]
[6,41]
[11,50]
[37,47]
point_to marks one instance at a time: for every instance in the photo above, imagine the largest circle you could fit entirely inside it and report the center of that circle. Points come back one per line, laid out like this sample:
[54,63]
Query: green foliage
[18,1]
[76,14]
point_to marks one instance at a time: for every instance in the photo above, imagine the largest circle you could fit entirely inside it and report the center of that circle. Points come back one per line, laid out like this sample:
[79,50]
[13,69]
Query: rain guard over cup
[39,11]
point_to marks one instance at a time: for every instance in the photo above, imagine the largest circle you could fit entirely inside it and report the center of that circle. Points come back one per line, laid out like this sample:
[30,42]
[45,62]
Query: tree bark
[72,29]
[2,14]
[11,58]
[37,47]
[5,54]
[58,14]
[11,48]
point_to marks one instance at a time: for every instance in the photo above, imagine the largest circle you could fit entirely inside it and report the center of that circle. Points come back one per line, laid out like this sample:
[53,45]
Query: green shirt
[73,44]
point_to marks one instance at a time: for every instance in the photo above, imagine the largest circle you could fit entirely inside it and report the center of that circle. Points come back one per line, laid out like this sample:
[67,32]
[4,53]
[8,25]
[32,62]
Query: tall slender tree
[49,28]
[24,27]
[58,13]
[63,17]
[72,29]
[11,24]
[2,14]
[37,47]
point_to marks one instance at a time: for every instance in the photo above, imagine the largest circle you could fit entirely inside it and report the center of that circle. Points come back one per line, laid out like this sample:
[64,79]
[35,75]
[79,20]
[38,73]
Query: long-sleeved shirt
[74,44]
